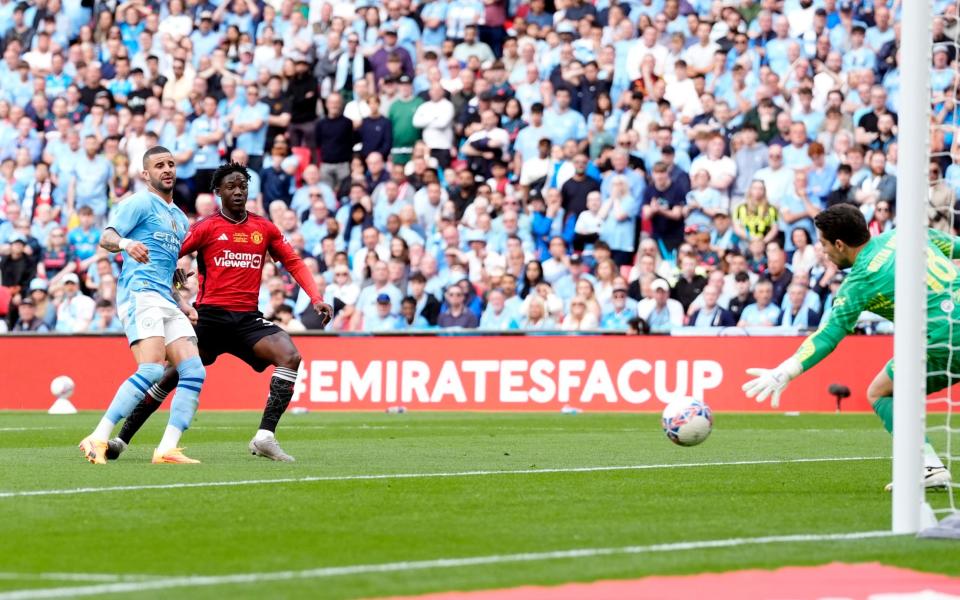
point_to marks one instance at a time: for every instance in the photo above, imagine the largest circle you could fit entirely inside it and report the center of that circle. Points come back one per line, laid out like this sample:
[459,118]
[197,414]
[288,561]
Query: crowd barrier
[595,373]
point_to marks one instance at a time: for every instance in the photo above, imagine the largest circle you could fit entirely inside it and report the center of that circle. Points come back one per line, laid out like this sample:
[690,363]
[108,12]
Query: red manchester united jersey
[230,260]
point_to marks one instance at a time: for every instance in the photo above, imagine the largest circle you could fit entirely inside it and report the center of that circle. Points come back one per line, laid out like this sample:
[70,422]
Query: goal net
[928,147]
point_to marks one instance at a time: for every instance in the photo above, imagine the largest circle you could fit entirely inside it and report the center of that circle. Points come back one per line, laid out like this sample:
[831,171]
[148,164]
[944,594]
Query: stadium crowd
[639,165]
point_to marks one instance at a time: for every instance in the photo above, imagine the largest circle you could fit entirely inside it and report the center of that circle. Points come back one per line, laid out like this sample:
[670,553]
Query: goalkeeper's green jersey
[869,286]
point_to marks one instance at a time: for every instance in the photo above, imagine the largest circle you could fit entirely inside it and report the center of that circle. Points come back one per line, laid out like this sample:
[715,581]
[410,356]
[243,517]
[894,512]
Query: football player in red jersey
[231,246]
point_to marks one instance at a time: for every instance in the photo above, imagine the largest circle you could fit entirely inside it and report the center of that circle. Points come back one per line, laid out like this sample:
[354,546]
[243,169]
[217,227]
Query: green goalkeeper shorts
[943,368]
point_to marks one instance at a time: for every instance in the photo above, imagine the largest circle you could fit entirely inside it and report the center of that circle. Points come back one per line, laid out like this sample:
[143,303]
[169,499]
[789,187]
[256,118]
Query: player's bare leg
[280,351]
[880,394]
[149,354]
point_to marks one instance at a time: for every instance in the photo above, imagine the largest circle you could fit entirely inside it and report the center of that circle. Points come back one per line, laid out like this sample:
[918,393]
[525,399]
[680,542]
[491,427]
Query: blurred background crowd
[641,165]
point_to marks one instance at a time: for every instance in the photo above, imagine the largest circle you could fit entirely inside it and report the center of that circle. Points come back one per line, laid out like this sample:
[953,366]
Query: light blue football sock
[185,400]
[131,391]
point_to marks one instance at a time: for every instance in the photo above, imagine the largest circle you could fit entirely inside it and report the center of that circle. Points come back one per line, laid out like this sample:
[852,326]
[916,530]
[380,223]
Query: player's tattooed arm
[110,240]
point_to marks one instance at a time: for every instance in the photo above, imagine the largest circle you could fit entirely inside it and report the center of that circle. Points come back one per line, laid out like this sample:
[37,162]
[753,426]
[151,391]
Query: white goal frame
[909,341]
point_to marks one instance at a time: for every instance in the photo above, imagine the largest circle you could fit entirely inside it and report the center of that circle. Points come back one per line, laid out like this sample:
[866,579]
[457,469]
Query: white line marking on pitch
[30,428]
[441,563]
[91,577]
[201,484]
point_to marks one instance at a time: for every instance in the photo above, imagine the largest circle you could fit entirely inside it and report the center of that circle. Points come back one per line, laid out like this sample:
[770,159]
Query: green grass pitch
[73,540]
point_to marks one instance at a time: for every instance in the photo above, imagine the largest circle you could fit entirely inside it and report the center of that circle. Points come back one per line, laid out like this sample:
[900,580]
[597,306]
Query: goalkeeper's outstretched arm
[852,298]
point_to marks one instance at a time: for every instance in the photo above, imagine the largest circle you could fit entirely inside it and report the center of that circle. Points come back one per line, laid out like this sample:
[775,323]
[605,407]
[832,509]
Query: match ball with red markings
[687,422]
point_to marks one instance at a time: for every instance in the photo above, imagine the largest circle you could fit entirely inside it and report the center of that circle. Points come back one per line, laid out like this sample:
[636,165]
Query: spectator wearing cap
[566,286]
[383,318]
[390,51]
[662,312]
[205,38]
[75,311]
[41,299]
[28,320]
[711,314]
[17,267]
[435,117]
[480,260]
[619,310]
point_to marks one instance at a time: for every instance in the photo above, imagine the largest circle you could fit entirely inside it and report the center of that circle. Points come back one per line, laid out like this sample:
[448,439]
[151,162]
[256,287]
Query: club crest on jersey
[240,238]
[256,237]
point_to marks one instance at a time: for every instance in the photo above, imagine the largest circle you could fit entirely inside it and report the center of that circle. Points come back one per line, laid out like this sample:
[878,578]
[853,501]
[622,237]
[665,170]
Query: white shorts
[148,314]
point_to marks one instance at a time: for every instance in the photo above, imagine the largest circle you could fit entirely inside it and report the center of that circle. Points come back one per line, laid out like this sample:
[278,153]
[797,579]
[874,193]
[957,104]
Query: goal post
[909,341]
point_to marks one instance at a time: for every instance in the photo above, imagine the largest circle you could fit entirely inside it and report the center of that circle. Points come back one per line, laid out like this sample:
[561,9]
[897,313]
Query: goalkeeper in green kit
[869,287]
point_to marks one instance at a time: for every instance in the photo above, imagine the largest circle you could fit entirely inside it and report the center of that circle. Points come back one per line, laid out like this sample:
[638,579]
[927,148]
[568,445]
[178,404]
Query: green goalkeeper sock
[884,409]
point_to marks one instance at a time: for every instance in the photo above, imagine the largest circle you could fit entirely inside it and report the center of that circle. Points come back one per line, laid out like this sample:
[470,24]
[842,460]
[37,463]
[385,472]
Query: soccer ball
[61,387]
[687,422]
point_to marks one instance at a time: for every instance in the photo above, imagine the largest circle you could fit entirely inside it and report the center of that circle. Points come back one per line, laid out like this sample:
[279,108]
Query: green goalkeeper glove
[772,382]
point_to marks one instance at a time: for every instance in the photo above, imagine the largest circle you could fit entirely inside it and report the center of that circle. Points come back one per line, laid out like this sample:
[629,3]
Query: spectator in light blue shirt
[105,320]
[858,57]
[434,16]
[409,320]
[381,318]
[90,185]
[497,317]
[619,311]
[561,122]
[761,313]
[250,127]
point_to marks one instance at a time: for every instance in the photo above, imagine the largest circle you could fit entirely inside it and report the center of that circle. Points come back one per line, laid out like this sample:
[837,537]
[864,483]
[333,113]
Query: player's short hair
[843,222]
[153,151]
[226,169]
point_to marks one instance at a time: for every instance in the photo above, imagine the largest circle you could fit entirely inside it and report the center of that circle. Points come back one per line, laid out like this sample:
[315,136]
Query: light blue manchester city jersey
[145,217]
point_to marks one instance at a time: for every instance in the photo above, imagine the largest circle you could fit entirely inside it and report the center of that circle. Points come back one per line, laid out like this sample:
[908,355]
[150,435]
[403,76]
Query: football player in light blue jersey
[149,229]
